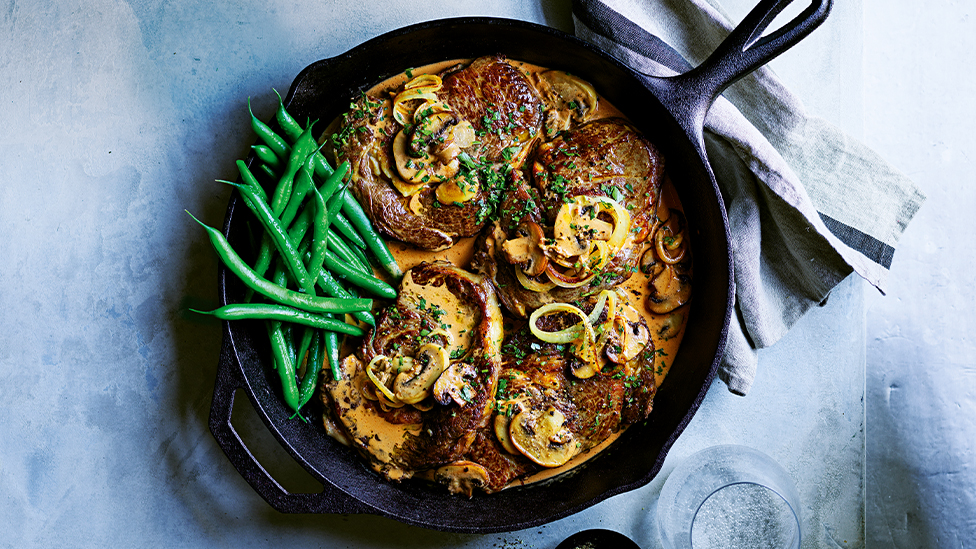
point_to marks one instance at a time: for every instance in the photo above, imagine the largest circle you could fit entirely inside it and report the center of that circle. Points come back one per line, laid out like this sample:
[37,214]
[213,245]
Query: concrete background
[118,115]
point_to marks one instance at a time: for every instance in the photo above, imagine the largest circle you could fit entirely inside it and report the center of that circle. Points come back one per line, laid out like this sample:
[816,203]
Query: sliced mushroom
[542,437]
[576,228]
[446,151]
[503,422]
[463,134]
[459,136]
[669,238]
[584,369]
[526,251]
[519,394]
[628,337]
[428,151]
[411,169]
[413,385]
[462,477]
[451,385]
[430,130]
[569,97]
[457,191]
[649,264]
[416,204]
[669,290]
[570,242]
[585,362]
[671,326]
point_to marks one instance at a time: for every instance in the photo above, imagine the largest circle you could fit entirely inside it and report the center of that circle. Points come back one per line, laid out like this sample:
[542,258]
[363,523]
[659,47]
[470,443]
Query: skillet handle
[229,380]
[743,51]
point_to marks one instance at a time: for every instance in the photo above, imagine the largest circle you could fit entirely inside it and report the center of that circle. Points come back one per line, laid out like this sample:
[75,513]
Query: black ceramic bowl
[670,112]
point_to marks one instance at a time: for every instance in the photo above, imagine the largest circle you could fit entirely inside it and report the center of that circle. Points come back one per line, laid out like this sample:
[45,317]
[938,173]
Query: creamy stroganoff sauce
[382,436]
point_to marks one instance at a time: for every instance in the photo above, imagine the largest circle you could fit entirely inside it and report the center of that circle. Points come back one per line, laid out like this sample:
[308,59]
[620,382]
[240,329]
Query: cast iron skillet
[670,111]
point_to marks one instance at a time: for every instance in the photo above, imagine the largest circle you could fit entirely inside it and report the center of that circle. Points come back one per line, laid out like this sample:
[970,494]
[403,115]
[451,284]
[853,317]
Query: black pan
[670,111]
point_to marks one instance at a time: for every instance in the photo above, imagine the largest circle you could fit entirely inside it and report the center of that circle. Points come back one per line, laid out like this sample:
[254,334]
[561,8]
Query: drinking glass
[728,497]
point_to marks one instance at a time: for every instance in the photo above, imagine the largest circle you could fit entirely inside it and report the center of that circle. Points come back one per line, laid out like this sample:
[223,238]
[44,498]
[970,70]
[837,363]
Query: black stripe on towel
[869,246]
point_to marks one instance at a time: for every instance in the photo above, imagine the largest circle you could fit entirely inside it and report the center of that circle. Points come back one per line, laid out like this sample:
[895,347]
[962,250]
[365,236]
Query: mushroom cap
[527,250]
[462,477]
[413,386]
[543,437]
[670,289]
[452,386]
[569,98]
[458,190]
[430,130]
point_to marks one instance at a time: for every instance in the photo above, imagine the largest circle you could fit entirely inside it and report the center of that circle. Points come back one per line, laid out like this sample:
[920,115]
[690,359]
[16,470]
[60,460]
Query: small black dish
[598,539]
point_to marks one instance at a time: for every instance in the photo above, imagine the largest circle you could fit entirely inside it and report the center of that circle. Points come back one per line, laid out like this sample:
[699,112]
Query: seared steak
[604,158]
[500,102]
[502,107]
[444,431]
[537,376]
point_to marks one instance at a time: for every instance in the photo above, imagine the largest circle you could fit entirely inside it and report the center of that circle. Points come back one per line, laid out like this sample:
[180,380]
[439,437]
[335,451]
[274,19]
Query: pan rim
[452,526]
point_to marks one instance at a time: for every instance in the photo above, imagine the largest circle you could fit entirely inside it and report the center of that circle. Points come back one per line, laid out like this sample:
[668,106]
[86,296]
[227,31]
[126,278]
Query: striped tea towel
[807,204]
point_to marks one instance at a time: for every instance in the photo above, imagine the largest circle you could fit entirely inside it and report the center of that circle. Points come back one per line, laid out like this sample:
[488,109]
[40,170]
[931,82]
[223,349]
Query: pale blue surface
[921,351]
[117,117]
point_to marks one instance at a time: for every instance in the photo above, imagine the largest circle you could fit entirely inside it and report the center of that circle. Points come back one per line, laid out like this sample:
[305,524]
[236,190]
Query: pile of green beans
[306,276]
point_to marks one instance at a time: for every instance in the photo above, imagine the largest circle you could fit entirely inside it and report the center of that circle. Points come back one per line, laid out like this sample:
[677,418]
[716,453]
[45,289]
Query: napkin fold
[807,204]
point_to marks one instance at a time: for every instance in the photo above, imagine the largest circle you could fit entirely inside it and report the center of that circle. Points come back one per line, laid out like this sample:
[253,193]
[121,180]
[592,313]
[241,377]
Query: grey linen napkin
[807,204]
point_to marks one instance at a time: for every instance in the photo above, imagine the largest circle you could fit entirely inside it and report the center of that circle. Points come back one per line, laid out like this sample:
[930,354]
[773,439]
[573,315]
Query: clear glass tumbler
[729,497]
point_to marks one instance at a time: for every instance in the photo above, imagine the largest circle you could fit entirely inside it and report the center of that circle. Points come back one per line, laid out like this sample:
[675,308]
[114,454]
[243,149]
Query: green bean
[369,283]
[285,366]
[326,281]
[264,250]
[361,255]
[307,335]
[268,172]
[331,340]
[263,260]
[334,182]
[312,368]
[266,155]
[280,238]
[293,129]
[303,220]
[343,225]
[288,329]
[273,291]
[250,180]
[374,242]
[304,146]
[264,132]
[344,252]
[280,333]
[288,124]
[320,236]
[267,311]
[331,286]
[303,184]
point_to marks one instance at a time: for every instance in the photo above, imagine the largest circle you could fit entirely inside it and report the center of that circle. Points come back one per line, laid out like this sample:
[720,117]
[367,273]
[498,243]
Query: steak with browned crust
[500,102]
[606,158]
[537,375]
[444,432]
[505,112]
